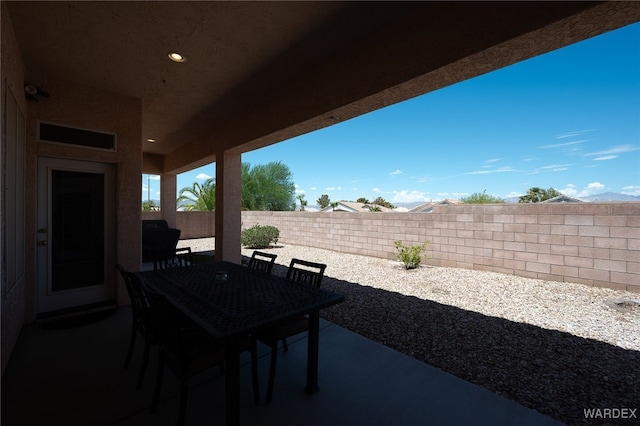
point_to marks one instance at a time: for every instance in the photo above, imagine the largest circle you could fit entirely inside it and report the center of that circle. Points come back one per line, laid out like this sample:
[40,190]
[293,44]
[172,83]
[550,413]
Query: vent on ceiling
[56,133]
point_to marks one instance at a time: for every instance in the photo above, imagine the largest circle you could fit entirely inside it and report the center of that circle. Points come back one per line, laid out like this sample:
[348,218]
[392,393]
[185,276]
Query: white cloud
[595,185]
[574,134]
[396,172]
[485,172]
[334,188]
[550,168]
[592,188]
[569,190]
[300,191]
[405,196]
[631,190]
[563,145]
[203,176]
[488,164]
[613,152]
[376,190]
[454,195]
[556,167]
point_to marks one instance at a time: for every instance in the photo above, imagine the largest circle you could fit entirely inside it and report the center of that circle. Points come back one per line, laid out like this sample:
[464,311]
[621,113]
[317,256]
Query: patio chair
[141,322]
[262,261]
[180,258]
[306,273]
[187,351]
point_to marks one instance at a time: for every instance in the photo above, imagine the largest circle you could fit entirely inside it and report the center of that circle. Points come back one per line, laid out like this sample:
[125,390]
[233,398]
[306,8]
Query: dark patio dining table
[230,302]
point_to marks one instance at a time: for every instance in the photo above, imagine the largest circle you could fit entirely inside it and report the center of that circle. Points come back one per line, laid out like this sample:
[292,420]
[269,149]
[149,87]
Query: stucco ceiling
[259,72]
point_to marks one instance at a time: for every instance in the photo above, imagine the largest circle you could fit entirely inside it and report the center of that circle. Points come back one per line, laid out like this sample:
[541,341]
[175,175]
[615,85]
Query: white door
[75,234]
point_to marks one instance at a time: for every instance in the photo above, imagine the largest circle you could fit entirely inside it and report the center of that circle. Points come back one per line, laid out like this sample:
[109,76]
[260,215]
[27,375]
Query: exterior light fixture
[176,57]
[151,140]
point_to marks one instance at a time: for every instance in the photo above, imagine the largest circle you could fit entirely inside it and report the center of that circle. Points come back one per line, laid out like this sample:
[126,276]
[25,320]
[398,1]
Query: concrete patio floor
[76,377]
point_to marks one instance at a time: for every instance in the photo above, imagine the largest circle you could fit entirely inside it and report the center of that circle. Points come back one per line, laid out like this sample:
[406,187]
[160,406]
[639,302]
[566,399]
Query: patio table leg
[312,353]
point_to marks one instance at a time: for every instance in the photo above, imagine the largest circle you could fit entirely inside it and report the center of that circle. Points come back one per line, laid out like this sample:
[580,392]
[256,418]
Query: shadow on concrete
[553,372]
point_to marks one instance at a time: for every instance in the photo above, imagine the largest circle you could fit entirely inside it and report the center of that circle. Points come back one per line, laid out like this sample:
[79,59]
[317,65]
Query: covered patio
[75,377]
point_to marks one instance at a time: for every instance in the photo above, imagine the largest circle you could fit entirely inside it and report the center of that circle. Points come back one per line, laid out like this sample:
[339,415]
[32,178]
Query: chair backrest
[153,314]
[306,272]
[161,314]
[181,258]
[261,261]
[139,303]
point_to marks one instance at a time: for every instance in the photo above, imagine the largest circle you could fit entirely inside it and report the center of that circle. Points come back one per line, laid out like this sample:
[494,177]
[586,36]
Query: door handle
[42,243]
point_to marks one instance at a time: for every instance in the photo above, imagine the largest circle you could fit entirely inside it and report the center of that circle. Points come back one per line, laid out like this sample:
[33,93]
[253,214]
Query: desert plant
[484,198]
[410,256]
[258,236]
[323,201]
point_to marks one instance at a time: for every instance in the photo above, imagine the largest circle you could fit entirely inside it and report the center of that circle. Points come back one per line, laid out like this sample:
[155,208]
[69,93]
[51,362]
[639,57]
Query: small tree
[363,200]
[382,202]
[484,198]
[411,256]
[323,201]
[303,202]
[149,206]
[268,187]
[536,195]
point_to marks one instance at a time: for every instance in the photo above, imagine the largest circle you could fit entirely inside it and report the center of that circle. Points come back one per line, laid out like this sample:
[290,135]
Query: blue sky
[569,119]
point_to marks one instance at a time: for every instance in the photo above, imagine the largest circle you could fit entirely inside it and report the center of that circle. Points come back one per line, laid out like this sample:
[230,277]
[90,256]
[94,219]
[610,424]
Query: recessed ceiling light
[176,57]
[151,140]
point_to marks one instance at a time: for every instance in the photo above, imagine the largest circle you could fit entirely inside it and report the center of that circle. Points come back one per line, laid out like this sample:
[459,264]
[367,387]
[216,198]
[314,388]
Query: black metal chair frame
[141,322]
[305,273]
[262,261]
[181,257]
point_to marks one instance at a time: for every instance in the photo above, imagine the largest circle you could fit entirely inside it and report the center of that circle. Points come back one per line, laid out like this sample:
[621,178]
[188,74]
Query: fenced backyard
[595,244]
[498,332]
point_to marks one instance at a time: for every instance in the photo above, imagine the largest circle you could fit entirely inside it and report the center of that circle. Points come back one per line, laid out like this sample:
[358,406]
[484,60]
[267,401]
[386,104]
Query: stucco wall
[592,243]
[88,108]
[13,301]
[82,107]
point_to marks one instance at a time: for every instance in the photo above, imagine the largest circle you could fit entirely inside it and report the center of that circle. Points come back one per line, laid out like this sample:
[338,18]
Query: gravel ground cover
[559,348]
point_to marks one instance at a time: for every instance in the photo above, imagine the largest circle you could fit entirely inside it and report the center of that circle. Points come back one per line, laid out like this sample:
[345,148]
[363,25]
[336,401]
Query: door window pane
[77,214]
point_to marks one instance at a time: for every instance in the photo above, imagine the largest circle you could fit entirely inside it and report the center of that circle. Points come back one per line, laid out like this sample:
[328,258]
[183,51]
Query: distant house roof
[353,207]
[563,199]
[428,207]
[422,208]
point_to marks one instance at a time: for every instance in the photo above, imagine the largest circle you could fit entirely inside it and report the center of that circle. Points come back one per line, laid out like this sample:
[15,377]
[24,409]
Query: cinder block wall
[196,224]
[595,244]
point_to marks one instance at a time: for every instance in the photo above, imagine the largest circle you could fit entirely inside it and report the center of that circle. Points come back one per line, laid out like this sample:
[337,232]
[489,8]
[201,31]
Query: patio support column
[168,183]
[228,206]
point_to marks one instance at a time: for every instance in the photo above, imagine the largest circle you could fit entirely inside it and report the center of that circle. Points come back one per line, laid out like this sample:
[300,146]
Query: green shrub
[258,236]
[411,256]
